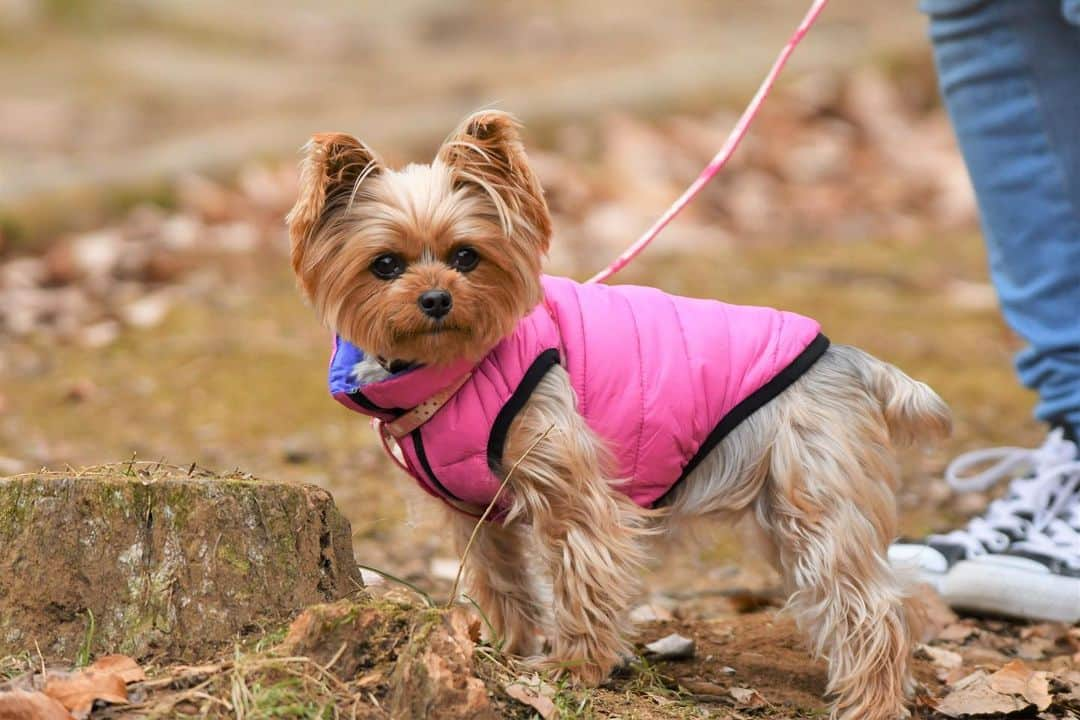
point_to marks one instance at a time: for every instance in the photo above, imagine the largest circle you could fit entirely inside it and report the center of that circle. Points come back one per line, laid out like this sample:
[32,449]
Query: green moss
[287,698]
[229,555]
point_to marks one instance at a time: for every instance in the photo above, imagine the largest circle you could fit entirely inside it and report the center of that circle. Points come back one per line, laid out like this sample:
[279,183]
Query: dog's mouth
[433,330]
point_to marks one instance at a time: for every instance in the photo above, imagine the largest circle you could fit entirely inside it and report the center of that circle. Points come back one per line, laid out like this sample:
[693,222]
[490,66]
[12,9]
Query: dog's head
[427,264]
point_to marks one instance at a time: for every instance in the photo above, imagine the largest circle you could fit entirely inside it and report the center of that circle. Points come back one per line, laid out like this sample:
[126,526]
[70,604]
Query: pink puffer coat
[661,378]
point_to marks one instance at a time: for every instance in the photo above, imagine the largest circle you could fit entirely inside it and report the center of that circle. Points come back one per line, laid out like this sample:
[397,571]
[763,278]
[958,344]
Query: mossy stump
[163,560]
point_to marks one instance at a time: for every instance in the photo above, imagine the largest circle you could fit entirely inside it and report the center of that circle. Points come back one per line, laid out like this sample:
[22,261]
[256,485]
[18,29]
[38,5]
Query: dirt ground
[173,330]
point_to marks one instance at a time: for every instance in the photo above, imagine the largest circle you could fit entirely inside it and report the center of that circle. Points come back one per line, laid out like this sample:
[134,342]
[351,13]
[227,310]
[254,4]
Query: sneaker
[1007,521]
[1038,577]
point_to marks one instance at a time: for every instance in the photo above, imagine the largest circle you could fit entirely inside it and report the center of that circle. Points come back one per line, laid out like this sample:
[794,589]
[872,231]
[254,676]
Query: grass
[82,659]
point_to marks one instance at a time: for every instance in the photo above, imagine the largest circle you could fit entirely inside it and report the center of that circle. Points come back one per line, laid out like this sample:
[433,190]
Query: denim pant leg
[1009,71]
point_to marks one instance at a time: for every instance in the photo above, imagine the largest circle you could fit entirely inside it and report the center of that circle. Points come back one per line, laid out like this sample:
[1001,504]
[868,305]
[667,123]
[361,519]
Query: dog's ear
[486,152]
[332,169]
[333,166]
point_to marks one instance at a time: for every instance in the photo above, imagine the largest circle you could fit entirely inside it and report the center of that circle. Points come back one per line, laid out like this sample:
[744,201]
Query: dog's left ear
[486,152]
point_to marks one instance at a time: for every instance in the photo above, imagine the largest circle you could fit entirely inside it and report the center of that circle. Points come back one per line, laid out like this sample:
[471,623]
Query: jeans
[1009,71]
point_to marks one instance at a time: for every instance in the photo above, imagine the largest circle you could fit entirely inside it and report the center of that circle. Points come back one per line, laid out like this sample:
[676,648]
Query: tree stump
[161,561]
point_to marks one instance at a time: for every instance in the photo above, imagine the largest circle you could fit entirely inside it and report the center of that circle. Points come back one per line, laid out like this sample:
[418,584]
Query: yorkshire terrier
[590,421]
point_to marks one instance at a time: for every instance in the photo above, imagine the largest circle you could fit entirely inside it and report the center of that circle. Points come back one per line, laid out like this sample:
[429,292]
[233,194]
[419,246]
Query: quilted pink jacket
[661,378]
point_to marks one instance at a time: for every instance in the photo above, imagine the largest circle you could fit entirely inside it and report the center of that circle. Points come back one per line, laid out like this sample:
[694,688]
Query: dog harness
[661,378]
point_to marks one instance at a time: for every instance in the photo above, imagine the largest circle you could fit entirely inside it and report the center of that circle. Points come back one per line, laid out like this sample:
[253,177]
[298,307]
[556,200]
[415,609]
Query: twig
[337,656]
[41,658]
[484,517]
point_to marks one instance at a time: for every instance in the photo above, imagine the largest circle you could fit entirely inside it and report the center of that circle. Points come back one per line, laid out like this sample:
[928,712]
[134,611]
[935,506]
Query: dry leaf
[535,694]
[1034,648]
[1073,638]
[941,657]
[128,670]
[951,677]
[703,687]
[1018,679]
[747,697]
[957,632]
[1068,682]
[1052,631]
[984,657]
[78,691]
[973,696]
[24,705]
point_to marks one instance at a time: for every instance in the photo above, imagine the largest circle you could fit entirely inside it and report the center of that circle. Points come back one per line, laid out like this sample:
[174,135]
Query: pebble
[97,253]
[99,334]
[371,578]
[147,311]
[671,647]
[650,612]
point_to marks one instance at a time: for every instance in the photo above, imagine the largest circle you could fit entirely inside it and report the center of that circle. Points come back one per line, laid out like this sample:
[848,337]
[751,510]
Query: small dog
[598,419]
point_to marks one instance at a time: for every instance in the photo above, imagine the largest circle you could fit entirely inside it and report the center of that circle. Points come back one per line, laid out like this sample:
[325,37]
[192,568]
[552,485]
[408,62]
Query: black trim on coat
[360,399]
[501,427]
[751,403]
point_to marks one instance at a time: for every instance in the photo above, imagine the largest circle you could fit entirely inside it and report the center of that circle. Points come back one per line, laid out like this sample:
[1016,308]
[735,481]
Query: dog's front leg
[498,579]
[587,534]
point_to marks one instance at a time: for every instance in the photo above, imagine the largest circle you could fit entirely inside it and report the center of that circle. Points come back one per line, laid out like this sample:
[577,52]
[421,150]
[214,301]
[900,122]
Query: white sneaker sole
[1014,586]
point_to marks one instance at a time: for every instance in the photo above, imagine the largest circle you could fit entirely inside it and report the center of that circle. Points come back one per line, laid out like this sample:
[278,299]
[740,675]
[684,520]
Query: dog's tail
[913,412]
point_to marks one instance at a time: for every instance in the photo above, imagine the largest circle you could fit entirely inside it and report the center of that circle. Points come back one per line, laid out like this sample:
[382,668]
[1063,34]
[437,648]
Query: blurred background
[147,159]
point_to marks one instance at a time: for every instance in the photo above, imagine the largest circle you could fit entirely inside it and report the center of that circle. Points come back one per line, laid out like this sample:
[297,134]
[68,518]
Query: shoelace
[1056,533]
[1027,497]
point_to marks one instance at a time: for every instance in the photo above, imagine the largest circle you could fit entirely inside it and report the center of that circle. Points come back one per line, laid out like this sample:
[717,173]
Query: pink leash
[721,158]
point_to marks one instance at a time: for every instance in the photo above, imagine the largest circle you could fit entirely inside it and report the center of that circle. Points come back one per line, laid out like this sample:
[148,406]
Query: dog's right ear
[333,167]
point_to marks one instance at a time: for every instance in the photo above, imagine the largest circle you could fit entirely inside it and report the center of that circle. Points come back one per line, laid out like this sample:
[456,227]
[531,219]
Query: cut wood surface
[141,560]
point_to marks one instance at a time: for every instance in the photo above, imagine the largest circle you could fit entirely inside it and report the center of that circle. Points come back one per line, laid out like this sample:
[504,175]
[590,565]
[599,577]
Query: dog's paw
[576,672]
[527,645]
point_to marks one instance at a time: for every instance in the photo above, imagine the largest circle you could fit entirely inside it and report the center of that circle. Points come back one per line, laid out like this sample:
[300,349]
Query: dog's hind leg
[828,505]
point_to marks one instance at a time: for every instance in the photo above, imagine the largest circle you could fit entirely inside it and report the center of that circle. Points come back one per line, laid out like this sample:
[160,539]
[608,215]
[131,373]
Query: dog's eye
[464,259]
[388,267]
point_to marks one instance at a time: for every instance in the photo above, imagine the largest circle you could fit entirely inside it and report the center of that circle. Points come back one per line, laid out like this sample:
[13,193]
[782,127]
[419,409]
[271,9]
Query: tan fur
[814,469]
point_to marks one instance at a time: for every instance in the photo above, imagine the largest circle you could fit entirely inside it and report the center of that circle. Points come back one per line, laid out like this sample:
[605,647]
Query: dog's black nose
[436,303]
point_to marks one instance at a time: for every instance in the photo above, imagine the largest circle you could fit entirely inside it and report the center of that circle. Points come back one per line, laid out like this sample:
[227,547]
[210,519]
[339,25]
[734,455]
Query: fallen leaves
[973,695]
[535,693]
[120,665]
[942,658]
[60,695]
[1015,688]
[78,691]
[747,697]
[27,705]
[791,178]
